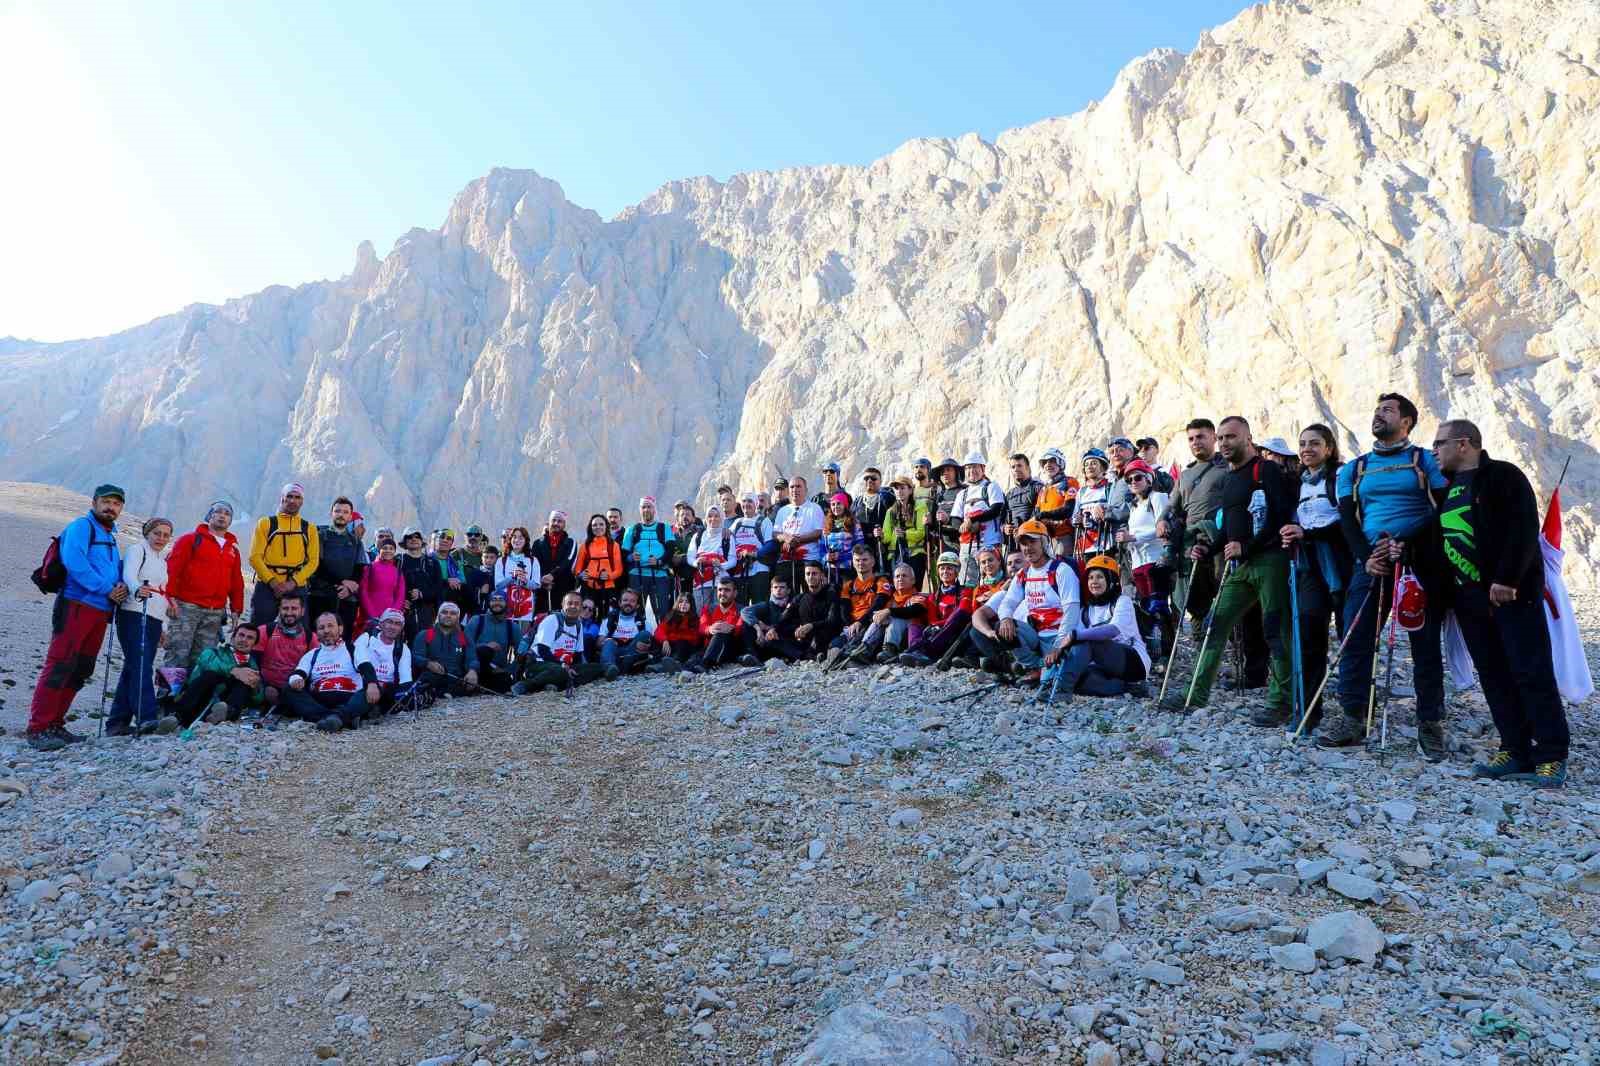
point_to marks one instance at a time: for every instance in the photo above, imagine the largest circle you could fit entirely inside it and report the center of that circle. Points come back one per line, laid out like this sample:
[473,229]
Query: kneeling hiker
[445,665]
[325,687]
[553,654]
[860,598]
[1100,651]
[810,623]
[224,682]
[765,618]
[384,662]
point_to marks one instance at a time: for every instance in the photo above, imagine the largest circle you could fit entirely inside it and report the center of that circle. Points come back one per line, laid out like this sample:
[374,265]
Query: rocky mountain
[1319,202]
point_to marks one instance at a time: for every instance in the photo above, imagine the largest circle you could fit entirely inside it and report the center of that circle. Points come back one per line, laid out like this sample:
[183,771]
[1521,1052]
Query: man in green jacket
[224,682]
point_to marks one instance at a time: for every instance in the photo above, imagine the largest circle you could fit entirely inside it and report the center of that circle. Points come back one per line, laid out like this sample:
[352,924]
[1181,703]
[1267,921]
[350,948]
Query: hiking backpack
[50,576]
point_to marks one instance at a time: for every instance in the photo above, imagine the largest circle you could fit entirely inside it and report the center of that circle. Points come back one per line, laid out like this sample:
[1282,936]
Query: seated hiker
[992,580]
[441,658]
[859,598]
[625,634]
[726,636]
[325,685]
[764,619]
[553,656]
[384,663]
[493,637]
[895,623]
[280,644]
[224,683]
[948,616]
[1026,617]
[677,638]
[811,622]
[1099,651]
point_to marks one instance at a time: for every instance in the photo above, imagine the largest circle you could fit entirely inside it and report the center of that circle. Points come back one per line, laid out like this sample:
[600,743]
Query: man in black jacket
[870,509]
[555,552]
[336,581]
[1258,499]
[1489,533]
[810,623]
[1022,498]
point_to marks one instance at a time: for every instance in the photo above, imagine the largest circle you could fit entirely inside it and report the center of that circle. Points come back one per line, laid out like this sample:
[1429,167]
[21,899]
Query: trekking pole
[1388,681]
[1295,681]
[1377,643]
[144,618]
[1172,654]
[1205,637]
[105,681]
[1327,674]
[973,693]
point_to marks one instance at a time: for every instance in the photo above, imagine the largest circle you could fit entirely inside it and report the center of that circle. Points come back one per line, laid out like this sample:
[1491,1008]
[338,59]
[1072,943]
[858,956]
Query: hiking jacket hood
[207,574]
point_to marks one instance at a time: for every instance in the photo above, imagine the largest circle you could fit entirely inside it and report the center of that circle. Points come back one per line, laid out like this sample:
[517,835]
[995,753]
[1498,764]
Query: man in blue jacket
[83,608]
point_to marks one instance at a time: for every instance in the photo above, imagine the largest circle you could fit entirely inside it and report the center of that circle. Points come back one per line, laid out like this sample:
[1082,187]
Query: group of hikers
[1074,583]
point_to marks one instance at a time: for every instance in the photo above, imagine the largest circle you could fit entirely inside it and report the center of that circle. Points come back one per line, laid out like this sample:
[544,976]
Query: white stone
[1345,935]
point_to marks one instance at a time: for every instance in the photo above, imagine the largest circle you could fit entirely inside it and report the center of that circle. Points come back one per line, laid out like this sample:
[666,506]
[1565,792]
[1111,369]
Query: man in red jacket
[723,628]
[205,581]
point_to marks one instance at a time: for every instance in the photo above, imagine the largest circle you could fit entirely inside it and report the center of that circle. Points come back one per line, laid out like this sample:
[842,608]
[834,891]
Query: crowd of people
[1076,583]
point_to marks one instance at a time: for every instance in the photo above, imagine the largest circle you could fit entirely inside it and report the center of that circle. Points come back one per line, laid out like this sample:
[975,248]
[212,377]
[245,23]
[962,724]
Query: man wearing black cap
[1150,451]
[87,581]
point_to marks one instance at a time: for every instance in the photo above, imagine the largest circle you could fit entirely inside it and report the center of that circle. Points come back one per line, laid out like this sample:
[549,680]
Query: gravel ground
[769,868]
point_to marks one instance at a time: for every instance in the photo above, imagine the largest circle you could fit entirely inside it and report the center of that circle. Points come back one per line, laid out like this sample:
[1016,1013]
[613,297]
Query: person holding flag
[1489,527]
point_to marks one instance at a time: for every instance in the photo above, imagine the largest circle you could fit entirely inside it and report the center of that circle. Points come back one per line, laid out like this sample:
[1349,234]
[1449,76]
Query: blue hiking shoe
[1501,764]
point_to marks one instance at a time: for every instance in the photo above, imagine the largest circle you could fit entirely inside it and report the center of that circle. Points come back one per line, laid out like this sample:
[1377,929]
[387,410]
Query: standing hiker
[139,632]
[284,553]
[205,580]
[978,509]
[335,585]
[1323,568]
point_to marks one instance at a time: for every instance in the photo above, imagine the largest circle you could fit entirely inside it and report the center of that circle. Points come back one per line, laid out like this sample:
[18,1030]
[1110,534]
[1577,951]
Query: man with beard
[555,553]
[1026,618]
[90,593]
[325,686]
[284,554]
[1022,499]
[811,622]
[552,656]
[492,636]
[281,642]
[1387,501]
[205,580]
[341,557]
[724,630]
[1258,499]
[647,549]
[624,635]
[384,662]
[831,487]
[1189,526]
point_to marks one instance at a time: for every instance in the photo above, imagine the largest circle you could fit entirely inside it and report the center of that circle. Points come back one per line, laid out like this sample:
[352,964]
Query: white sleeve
[404,675]
[995,493]
[132,560]
[1127,623]
[363,650]
[304,665]
[1067,589]
[1004,603]
[546,633]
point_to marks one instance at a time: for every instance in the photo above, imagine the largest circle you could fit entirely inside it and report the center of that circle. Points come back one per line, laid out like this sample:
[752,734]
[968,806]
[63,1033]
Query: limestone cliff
[1320,201]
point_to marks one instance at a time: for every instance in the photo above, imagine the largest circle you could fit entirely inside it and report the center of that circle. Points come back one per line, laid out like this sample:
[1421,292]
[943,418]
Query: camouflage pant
[192,632]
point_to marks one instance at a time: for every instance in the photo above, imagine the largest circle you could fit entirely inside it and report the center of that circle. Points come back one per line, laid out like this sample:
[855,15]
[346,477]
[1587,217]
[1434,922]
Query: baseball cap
[1124,441]
[830,468]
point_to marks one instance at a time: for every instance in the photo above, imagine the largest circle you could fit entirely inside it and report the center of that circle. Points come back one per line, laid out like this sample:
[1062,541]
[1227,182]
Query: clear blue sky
[160,153]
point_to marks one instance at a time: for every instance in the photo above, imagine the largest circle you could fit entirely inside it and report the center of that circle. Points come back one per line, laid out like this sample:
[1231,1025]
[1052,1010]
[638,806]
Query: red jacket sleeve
[705,622]
[235,584]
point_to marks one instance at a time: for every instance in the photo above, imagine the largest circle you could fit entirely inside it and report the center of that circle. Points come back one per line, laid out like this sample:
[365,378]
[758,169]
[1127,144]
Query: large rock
[1345,935]
[862,1035]
[1401,198]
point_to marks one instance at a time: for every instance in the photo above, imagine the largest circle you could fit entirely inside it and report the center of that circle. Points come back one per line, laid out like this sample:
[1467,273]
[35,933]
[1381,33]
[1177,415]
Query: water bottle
[1258,512]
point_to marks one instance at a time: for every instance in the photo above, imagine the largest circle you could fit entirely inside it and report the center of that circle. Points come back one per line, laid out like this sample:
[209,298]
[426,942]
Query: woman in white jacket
[1102,653]
[140,622]
[708,557]
[1152,577]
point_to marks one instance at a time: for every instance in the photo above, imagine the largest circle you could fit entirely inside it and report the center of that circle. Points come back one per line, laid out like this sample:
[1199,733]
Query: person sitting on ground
[1099,651]
[860,598]
[335,585]
[556,553]
[444,663]
[748,534]
[284,554]
[599,565]
[384,662]
[281,643]
[383,586]
[493,636]
[1056,500]
[947,614]
[811,622]
[763,620]
[708,558]
[726,636]
[896,624]
[678,638]
[907,524]
[205,581]
[325,687]
[424,587]
[552,656]
[625,634]
[139,630]
[1024,619]
[224,683]
[590,616]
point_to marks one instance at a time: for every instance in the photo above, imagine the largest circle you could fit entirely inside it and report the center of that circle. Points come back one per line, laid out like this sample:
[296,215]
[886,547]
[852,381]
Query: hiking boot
[1174,701]
[1029,677]
[120,729]
[1544,775]
[1430,741]
[1340,730]
[1138,690]
[167,724]
[331,723]
[914,658]
[520,689]
[1499,765]
[995,664]
[45,740]
[612,673]
[218,713]
[1272,717]
[833,654]
[749,660]
[66,735]
[887,656]
[862,657]
[964,662]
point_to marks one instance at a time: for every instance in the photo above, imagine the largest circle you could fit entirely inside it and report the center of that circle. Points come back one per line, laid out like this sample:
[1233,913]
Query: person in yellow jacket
[284,553]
